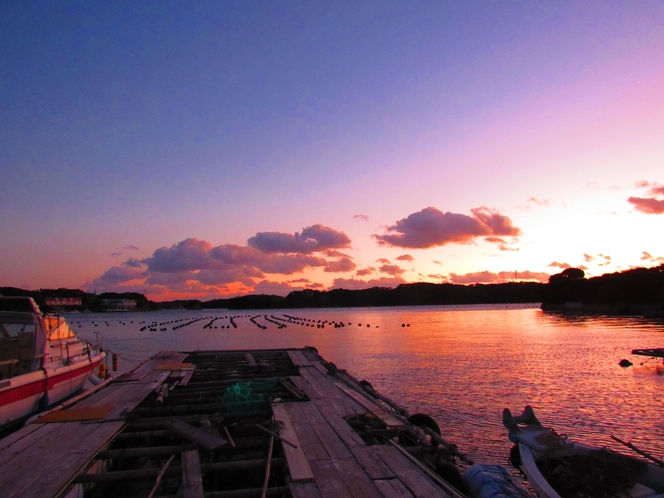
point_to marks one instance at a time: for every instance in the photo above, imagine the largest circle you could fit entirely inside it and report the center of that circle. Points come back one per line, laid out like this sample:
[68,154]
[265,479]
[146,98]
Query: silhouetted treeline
[622,292]
[637,286]
[91,302]
[403,295]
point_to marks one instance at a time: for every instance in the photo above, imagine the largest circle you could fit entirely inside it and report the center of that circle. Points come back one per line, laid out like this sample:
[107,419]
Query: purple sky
[214,148]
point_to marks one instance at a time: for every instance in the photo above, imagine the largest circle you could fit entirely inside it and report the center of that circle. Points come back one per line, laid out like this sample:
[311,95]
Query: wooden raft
[169,429]
[43,458]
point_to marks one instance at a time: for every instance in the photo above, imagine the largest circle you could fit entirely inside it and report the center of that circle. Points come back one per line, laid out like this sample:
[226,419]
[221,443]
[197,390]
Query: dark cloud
[190,254]
[340,265]
[431,227]
[130,247]
[312,239]
[274,288]
[122,273]
[405,257]
[392,269]
[354,284]
[115,254]
[196,264]
[650,204]
[384,261]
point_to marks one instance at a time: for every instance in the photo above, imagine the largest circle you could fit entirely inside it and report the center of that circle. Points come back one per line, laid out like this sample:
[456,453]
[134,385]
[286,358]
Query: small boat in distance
[558,467]
[42,362]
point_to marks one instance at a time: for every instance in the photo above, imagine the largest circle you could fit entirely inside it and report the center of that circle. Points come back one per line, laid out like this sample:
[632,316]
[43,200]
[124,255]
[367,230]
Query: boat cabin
[24,335]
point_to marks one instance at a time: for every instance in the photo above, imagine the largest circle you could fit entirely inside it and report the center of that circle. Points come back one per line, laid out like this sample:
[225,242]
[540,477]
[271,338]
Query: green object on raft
[242,396]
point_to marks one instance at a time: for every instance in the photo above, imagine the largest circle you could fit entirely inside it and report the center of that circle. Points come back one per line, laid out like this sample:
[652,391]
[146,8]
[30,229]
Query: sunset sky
[209,149]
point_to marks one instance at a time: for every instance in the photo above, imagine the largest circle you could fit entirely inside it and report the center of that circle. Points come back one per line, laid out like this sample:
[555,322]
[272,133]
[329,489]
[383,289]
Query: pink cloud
[362,217]
[230,266]
[130,247]
[340,265]
[487,277]
[647,205]
[564,266]
[437,262]
[365,271]
[431,227]
[312,239]
[391,269]
[405,257]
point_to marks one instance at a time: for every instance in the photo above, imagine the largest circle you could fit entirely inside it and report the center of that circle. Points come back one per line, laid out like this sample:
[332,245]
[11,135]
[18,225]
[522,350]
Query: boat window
[59,331]
[9,329]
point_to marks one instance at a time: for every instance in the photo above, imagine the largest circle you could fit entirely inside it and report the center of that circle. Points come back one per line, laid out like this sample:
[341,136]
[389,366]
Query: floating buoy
[625,363]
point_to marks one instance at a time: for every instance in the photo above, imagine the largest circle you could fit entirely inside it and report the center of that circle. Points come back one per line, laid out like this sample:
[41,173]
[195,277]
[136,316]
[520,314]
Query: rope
[552,439]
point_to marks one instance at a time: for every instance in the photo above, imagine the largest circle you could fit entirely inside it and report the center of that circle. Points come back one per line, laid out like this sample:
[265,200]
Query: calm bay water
[460,364]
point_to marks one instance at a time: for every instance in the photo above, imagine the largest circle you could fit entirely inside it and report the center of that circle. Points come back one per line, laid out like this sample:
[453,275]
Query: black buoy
[625,363]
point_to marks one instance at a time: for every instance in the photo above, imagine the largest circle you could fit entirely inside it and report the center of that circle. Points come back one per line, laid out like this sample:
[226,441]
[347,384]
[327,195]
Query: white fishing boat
[558,467]
[42,362]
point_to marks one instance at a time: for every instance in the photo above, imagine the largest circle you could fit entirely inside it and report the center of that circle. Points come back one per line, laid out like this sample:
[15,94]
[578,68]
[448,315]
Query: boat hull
[23,395]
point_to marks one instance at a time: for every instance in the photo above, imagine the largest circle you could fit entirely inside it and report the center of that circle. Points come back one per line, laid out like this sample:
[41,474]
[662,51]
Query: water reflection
[462,365]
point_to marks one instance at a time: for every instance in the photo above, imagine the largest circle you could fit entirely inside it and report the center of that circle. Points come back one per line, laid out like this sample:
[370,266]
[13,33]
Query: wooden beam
[192,480]
[199,437]
[299,467]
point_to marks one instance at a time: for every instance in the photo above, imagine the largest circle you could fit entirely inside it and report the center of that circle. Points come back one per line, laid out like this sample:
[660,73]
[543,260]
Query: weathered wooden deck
[168,429]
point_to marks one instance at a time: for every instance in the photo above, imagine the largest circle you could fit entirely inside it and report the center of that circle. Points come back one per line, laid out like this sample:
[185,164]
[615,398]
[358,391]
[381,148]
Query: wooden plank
[408,473]
[311,445]
[319,366]
[28,466]
[75,415]
[329,481]
[305,490]
[347,434]
[172,366]
[27,439]
[298,358]
[371,463]
[359,483]
[129,396]
[306,387]
[299,467]
[250,360]
[344,405]
[328,437]
[148,366]
[192,480]
[187,377]
[390,421]
[205,440]
[393,488]
[65,463]
[16,436]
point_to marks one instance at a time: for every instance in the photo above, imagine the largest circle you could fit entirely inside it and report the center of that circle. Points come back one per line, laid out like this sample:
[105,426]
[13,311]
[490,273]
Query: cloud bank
[196,266]
[650,204]
[431,227]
